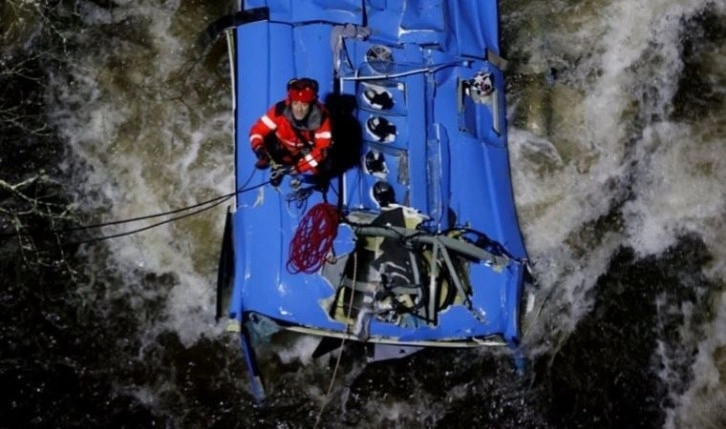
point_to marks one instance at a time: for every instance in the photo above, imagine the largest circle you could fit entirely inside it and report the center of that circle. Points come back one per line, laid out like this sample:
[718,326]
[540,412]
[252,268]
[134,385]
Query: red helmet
[304,90]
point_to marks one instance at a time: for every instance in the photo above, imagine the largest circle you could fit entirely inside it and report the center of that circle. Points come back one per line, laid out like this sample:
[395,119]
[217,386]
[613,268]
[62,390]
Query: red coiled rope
[313,239]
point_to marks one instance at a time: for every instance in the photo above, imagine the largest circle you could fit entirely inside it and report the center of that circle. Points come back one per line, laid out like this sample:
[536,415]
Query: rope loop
[313,239]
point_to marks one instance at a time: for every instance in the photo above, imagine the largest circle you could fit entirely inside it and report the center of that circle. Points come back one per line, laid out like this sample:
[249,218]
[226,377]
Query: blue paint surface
[449,154]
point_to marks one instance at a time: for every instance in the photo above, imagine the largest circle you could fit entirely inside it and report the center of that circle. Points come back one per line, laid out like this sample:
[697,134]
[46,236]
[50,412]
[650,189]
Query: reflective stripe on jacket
[316,132]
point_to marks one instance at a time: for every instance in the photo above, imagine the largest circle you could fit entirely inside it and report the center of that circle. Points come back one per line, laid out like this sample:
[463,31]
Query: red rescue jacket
[316,134]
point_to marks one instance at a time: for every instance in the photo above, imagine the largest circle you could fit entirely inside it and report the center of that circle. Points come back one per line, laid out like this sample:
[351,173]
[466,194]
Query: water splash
[625,165]
[601,159]
[148,129]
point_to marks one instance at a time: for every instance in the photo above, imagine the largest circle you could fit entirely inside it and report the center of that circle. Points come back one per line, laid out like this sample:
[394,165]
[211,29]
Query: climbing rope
[313,239]
[202,207]
[300,198]
[342,343]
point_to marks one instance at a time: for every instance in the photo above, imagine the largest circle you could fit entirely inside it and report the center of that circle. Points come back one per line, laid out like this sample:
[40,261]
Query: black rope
[134,231]
[213,201]
[485,242]
[122,221]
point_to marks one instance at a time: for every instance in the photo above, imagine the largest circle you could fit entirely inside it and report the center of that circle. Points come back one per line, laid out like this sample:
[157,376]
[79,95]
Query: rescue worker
[295,132]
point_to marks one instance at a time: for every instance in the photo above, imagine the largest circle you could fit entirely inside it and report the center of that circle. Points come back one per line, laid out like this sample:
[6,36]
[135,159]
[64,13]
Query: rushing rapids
[616,114]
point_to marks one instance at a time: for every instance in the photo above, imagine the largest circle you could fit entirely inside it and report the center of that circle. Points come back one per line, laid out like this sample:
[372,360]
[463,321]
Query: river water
[617,112]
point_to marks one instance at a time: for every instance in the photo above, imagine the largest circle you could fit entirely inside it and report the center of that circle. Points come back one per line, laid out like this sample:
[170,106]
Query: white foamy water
[615,142]
[701,405]
[153,129]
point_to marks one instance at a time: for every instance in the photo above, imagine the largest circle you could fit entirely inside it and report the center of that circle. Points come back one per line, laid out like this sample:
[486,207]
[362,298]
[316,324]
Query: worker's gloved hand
[278,172]
[263,161]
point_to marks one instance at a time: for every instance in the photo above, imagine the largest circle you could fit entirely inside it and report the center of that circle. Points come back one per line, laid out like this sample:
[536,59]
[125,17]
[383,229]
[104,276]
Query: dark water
[617,114]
